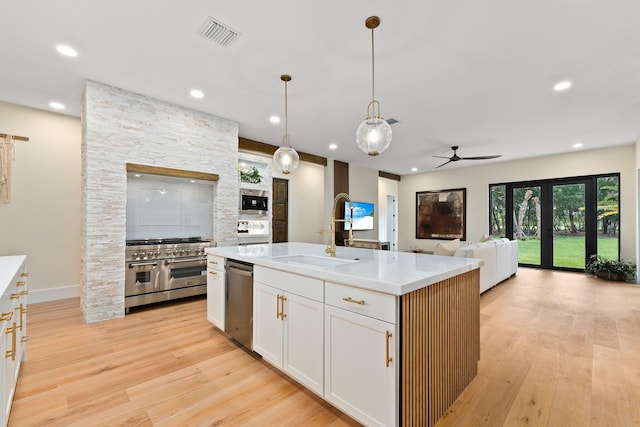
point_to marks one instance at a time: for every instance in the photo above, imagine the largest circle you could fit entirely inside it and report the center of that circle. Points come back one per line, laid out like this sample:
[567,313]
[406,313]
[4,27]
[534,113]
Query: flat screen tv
[362,215]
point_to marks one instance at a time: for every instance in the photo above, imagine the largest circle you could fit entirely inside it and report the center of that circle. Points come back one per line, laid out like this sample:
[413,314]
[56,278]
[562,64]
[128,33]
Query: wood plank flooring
[557,349]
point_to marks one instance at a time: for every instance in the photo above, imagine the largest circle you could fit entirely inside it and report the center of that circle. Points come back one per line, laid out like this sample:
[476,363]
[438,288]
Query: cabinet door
[303,341]
[357,378]
[216,297]
[267,325]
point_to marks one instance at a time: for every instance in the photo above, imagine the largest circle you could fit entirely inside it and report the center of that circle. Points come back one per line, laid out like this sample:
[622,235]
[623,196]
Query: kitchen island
[390,338]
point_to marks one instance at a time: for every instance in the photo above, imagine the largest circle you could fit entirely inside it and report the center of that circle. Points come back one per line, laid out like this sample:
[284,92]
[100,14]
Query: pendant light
[285,159]
[374,134]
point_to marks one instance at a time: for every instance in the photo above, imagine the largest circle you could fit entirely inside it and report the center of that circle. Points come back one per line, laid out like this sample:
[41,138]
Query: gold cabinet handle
[14,296]
[349,299]
[11,353]
[213,262]
[21,293]
[277,306]
[6,316]
[389,359]
[21,283]
[23,311]
[213,273]
[24,274]
[282,313]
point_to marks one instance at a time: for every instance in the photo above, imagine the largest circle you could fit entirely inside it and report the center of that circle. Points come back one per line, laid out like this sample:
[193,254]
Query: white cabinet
[13,310]
[361,363]
[288,314]
[216,294]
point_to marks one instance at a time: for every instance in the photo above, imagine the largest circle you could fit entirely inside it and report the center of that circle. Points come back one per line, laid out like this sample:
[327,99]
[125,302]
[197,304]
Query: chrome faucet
[331,250]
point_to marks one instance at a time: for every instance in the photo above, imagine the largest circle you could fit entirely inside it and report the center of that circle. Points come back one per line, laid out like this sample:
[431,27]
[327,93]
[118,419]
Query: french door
[555,221]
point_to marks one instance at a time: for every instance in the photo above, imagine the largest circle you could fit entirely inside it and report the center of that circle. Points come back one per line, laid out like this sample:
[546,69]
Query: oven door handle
[135,264]
[167,262]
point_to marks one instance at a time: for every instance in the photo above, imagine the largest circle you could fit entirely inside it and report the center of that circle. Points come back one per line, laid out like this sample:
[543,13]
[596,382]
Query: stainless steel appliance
[254,202]
[238,322]
[164,269]
[253,232]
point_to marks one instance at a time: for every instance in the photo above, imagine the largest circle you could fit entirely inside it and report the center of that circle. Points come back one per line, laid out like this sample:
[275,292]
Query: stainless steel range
[164,269]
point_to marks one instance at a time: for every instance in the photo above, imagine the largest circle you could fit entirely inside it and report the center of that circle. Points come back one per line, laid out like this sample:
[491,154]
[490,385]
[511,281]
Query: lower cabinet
[336,340]
[288,328]
[13,308]
[361,364]
[216,291]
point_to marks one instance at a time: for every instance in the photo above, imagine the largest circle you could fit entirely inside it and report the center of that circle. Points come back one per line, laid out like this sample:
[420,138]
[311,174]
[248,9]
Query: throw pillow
[486,238]
[447,249]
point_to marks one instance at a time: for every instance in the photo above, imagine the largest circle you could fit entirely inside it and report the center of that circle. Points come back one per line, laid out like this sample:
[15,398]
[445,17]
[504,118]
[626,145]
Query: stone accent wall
[120,127]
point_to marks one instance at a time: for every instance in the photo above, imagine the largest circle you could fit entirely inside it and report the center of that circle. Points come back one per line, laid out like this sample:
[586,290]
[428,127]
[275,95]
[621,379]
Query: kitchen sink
[315,260]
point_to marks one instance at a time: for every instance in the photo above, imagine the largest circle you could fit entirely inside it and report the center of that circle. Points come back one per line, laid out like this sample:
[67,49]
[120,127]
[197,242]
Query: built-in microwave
[254,202]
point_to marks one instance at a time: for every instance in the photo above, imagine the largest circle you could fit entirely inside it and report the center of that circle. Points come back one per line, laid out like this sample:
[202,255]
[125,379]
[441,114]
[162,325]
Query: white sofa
[500,260]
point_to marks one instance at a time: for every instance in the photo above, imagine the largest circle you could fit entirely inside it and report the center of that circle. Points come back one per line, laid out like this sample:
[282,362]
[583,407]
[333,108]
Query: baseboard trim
[53,294]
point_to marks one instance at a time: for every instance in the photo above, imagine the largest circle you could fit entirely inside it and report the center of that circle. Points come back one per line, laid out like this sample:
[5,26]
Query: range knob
[158,253]
[175,252]
[188,251]
[181,251]
[168,252]
[135,255]
[143,254]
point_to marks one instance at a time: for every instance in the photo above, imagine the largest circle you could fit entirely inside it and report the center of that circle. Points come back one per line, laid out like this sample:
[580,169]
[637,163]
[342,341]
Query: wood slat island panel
[440,346]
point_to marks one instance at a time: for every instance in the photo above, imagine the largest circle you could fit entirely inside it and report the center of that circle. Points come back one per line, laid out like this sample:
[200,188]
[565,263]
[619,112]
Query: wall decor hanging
[7,155]
[441,214]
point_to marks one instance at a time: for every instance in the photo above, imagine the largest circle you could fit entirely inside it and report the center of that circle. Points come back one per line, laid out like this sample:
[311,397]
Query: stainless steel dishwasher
[238,322]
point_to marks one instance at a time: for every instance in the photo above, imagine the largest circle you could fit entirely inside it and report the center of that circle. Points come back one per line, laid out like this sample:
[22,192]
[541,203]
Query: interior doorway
[280,209]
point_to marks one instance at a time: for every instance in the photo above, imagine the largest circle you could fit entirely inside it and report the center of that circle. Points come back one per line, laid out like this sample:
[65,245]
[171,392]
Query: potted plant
[611,269]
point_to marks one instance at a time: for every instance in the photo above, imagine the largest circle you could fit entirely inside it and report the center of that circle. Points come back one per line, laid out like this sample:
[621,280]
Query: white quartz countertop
[9,268]
[389,272]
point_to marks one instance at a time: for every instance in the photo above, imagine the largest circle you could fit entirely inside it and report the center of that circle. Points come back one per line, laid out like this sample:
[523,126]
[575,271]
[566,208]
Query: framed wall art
[441,214]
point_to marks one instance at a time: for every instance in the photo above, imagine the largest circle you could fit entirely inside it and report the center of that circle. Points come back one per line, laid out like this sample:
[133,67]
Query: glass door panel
[569,225]
[609,216]
[527,224]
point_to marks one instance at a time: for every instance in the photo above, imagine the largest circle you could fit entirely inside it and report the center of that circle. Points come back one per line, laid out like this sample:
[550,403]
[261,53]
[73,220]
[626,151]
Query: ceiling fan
[455,157]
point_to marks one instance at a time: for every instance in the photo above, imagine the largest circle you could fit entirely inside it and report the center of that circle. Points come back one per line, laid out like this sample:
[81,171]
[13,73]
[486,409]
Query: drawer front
[369,303]
[215,262]
[299,285]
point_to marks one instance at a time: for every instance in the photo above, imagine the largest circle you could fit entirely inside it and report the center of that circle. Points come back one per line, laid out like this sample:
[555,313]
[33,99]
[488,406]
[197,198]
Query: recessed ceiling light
[66,51]
[562,86]
[578,145]
[197,93]
[57,105]
[274,119]
[333,146]
[414,169]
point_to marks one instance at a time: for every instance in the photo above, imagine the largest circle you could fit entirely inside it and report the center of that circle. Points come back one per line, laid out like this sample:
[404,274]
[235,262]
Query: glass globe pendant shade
[286,159]
[373,136]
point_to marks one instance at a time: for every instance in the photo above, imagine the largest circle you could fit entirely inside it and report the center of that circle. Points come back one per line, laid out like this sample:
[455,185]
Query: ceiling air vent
[218,32]
[391,121]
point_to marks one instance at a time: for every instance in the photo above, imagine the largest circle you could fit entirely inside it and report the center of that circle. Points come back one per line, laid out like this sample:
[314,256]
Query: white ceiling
[475,74]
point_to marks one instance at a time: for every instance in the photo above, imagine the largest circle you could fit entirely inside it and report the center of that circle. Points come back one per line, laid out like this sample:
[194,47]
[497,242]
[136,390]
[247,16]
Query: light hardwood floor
[557,349]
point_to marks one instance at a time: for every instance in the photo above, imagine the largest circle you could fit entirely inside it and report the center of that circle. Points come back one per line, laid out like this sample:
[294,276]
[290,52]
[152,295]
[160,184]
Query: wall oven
[254,202]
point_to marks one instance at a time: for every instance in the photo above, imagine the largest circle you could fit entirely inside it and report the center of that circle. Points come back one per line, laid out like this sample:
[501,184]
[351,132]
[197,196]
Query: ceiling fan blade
[447,162]
[441,157]
[481,157]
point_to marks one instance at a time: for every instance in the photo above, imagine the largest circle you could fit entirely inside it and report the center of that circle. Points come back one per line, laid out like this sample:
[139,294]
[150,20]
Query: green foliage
[610,268]
[251,176]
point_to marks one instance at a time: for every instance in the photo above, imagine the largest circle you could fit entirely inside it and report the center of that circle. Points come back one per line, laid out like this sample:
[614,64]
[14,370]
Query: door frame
[546,199]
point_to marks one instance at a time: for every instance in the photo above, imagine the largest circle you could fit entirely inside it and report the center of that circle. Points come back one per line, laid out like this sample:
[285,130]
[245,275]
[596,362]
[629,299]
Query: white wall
[42,220]
[306,202]
[363,187]
[477,179]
